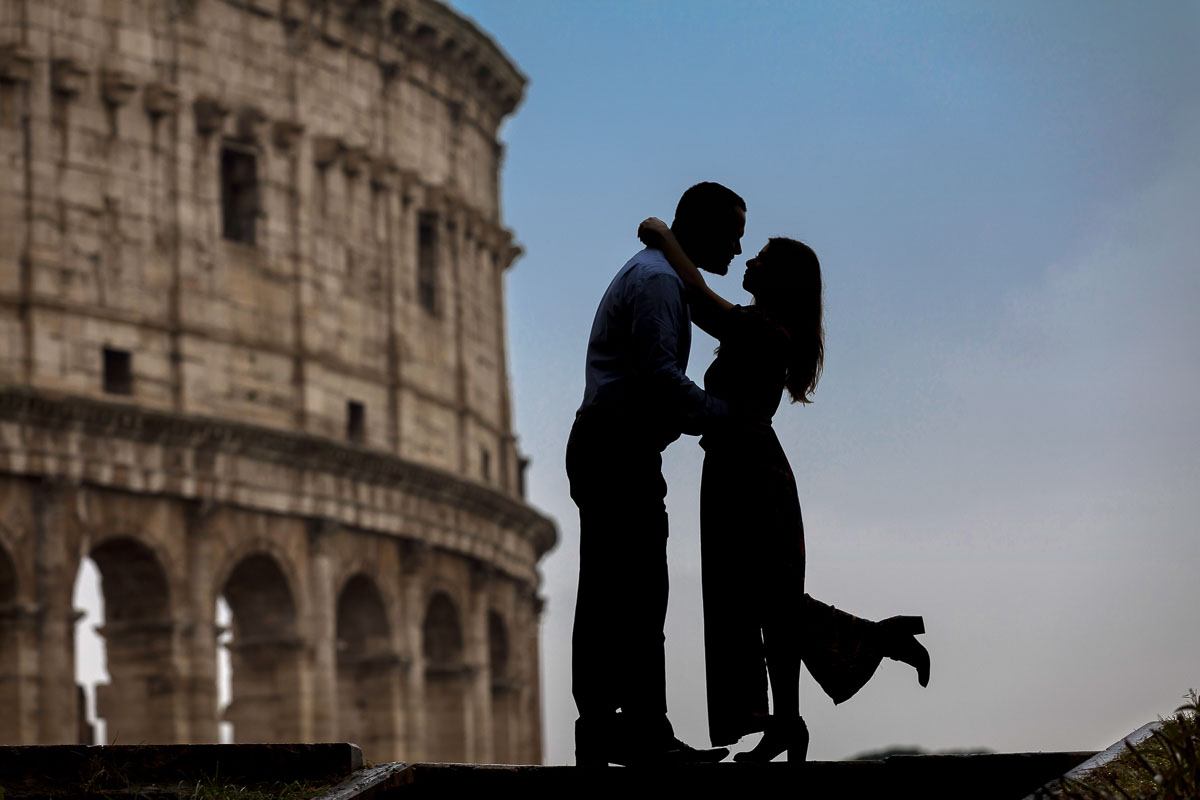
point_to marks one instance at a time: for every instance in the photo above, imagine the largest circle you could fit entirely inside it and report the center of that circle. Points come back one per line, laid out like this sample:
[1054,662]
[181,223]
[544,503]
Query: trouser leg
[731,578]
[784,628]
[617,642]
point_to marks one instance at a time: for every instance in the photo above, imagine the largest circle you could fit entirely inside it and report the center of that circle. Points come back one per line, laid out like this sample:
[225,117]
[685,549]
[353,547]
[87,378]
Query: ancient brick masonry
[252,327]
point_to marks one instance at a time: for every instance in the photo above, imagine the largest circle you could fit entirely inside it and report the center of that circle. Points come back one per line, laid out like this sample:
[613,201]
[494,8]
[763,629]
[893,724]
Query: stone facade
[252,315]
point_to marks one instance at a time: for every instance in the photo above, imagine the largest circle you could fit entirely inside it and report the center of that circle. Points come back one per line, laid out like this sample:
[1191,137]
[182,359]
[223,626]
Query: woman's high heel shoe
[788,734]
[899,642]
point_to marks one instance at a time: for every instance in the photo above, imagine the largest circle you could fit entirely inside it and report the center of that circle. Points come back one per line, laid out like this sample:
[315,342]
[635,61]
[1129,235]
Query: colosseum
[252,310]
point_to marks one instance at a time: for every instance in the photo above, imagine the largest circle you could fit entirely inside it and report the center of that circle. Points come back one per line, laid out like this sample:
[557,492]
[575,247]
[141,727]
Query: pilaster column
[161,102]
[507,672]
[286,137]
[458,249]
[322,627]
[508,457]
[530,698]
[55,570]
[385,216]
[19,676]
[404,271]
[202,631]
[413,559]
[479,691]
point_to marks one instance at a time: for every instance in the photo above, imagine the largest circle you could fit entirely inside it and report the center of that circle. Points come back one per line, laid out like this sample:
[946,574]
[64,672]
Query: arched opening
[368,671]
[264,653]
[224,621]
[138,704]
[445,681]
[504,697]
[90,658]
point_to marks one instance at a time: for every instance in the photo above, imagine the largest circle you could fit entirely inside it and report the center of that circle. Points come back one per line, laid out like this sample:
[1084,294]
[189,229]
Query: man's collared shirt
[638,352]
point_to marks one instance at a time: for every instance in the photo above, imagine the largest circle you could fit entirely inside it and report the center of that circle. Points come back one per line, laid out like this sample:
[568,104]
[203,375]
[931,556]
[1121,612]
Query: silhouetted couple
[757,619]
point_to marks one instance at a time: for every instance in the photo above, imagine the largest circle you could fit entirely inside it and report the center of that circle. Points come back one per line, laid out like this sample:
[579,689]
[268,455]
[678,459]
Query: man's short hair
[704,204]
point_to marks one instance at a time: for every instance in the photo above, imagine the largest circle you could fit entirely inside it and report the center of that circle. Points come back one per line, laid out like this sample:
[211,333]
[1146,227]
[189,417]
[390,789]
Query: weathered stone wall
[252,314]
[359,118]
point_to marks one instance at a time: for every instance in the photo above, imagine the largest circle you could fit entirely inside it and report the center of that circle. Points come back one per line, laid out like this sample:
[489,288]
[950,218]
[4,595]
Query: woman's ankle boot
[898,641]
[788,734]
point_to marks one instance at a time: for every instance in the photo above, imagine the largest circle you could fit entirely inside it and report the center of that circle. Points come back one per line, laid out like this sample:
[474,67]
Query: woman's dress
[752,544]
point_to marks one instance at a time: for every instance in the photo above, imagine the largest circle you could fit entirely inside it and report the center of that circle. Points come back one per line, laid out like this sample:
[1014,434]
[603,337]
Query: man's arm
[659,314]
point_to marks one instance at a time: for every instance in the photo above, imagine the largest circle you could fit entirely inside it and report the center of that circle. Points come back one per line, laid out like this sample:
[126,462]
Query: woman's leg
[843,651]
[783,665]
[781,567]
[733,647]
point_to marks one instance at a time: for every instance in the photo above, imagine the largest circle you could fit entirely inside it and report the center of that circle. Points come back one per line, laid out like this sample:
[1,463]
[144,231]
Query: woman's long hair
[797,306]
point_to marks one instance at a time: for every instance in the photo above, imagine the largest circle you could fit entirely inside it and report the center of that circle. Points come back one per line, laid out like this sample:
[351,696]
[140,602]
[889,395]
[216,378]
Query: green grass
[1165,766]
[216,790]
[208,789]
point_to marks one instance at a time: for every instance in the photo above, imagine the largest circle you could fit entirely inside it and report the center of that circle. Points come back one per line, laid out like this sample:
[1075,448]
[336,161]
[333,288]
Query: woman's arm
[708,307]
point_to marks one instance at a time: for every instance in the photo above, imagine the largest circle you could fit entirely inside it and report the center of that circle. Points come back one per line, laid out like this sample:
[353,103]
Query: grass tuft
[116,783]
[221,790]
[1165,766]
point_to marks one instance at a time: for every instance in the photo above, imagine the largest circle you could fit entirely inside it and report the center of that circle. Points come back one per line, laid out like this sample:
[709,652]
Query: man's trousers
[621,607]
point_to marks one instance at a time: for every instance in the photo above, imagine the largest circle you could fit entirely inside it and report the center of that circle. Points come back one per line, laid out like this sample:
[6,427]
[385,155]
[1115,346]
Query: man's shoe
[680,753]
[783,735]
[598,743]
[669,751]
[629,741]
[622,754]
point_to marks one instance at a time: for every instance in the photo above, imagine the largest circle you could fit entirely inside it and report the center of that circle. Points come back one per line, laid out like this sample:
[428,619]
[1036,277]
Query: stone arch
[141,702]
[380,578]
[498,648]
[368,670]
[265,652]
[362,620]
[441,632]
[261,599]
[133,581]
[233,557]
[446,680]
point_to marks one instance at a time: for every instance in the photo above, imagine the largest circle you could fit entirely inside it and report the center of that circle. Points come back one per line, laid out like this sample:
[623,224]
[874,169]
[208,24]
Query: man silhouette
[637,401]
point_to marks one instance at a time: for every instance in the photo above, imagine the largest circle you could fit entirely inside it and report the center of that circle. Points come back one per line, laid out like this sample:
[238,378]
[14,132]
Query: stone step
[156,770]
[1009,776]
[70,770]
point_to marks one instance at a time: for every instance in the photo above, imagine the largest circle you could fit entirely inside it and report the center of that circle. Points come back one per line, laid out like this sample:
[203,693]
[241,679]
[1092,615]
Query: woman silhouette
[752,537]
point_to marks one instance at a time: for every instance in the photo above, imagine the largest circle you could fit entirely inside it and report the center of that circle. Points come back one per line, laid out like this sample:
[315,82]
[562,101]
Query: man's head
[709,222]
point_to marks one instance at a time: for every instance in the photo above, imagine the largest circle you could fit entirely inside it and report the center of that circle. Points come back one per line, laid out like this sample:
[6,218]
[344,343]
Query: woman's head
[785,279]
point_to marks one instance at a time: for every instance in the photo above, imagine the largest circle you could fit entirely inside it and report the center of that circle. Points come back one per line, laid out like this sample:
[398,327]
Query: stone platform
[61,771]
[160,771]
[981,777]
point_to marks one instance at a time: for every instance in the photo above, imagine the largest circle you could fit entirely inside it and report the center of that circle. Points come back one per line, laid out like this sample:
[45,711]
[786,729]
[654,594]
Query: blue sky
[1005,198]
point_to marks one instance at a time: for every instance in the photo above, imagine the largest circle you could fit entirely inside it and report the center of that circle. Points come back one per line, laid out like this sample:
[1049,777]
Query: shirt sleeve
[659,314]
